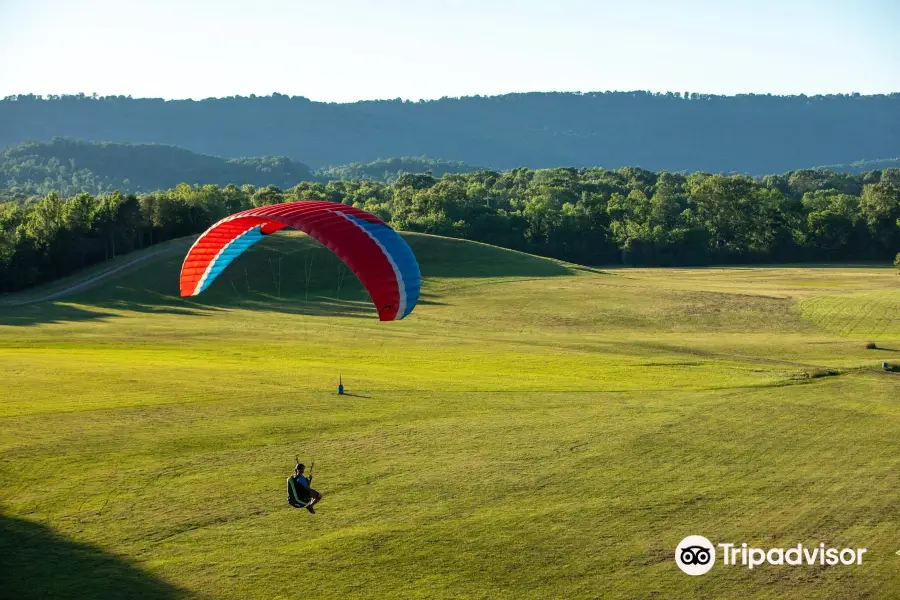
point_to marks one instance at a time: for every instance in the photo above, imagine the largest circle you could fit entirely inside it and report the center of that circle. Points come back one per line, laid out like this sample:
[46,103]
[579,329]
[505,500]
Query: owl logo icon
[695,555]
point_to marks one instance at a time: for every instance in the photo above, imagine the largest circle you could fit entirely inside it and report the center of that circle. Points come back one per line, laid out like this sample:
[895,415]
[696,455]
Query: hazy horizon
[583,93]
[352,50]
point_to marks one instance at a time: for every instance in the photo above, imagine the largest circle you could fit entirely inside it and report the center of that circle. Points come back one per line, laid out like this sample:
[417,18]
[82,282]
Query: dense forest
[682,131]
[590,216]
[71,166]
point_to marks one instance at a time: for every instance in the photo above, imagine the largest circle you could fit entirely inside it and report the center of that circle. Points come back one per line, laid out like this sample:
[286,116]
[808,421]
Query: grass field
[533,430]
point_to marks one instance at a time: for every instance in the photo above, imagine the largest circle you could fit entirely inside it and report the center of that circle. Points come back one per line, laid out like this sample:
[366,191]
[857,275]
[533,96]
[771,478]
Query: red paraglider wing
[376,254]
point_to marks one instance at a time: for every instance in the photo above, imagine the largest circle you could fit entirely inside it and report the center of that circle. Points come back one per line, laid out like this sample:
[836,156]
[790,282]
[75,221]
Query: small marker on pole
[340,386]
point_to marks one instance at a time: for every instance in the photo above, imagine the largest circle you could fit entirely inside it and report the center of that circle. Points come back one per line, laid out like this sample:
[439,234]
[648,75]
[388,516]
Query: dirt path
[99,277]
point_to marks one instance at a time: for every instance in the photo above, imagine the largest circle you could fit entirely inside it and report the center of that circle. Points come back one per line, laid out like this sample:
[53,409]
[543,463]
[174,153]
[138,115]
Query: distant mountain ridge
[755,134]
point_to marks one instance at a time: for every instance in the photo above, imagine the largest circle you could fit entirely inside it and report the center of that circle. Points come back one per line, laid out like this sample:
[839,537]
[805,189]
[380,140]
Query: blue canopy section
[235,248]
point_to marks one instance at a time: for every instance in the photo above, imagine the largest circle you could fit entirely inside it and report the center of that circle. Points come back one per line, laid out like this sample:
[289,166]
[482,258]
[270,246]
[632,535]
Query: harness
[295,498]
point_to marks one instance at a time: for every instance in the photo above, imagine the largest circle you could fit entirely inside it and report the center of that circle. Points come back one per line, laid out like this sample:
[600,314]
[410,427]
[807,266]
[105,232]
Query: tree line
[674,131]
[591,216]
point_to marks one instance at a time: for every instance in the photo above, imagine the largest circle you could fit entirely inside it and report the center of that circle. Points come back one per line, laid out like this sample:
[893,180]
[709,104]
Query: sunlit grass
[533,430]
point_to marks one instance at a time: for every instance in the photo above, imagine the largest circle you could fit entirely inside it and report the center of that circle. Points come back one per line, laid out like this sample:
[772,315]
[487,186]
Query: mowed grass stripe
[871,313]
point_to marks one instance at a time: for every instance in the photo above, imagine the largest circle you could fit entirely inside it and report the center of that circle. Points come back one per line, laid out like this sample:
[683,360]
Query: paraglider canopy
[377,255]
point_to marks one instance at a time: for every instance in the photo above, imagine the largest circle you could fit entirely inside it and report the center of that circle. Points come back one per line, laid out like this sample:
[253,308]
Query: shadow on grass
[317,307]
[287,274]
[36,562]
[62,312]
[427,300]
[47,312]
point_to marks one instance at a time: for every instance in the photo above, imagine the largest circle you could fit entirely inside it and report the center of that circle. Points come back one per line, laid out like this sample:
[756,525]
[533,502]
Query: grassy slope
[533,430]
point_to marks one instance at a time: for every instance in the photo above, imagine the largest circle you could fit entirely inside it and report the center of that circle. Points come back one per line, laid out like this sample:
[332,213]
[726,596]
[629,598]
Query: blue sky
[345,50]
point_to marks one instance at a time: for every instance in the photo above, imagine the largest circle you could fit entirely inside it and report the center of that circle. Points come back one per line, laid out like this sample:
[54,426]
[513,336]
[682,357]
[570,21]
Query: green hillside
[534,429]
[71,166]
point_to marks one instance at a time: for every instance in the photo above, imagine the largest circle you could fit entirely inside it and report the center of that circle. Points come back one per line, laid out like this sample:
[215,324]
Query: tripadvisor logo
[696,555]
